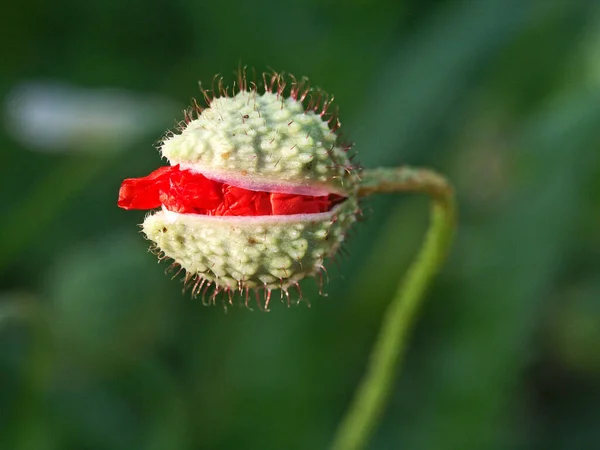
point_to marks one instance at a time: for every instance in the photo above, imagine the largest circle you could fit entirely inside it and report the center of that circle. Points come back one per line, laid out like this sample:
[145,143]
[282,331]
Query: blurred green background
[100,350]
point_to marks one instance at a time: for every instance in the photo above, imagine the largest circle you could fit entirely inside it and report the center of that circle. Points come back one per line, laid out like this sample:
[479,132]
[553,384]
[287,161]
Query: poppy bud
[259,191]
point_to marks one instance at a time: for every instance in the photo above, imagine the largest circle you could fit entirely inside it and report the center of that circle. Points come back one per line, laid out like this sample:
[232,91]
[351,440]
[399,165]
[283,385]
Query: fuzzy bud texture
[255,147]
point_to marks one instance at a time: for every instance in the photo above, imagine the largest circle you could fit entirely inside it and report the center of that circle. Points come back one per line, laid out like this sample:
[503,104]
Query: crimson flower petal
[188,192]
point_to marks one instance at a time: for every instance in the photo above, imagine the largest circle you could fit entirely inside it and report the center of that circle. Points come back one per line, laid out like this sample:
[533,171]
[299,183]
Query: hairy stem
[388,350]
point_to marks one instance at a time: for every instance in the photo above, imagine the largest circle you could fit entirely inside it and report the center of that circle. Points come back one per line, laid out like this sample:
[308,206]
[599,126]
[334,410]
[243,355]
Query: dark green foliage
[99,350]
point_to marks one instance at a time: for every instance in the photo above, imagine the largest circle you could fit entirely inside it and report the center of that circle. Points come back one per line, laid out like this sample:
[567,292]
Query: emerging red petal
[184,191]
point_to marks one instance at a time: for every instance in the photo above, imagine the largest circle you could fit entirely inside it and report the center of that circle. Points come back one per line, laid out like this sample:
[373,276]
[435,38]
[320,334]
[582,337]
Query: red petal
[189,192]
[144,193]
[184,191]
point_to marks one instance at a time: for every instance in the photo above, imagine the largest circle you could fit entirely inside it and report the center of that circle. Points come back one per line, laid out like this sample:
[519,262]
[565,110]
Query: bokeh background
[100,350]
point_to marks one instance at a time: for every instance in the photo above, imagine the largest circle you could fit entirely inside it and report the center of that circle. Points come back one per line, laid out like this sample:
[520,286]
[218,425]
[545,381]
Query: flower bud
[258,193]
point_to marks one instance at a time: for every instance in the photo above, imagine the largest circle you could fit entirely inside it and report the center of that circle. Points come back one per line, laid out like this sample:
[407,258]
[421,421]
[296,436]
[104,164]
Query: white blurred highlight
[57,117]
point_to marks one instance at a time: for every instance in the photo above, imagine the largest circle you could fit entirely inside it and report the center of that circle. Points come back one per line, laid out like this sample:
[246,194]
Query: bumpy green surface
[251,252]
[262,138]
[262,142]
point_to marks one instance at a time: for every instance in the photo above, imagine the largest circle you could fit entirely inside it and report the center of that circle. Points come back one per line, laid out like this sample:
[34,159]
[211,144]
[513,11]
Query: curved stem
[387,353]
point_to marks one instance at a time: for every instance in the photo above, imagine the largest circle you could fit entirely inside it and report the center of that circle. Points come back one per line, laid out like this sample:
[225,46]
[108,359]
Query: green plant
[260,191]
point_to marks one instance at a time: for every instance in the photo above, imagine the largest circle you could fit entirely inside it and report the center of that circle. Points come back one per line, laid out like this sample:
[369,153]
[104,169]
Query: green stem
[386,355]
